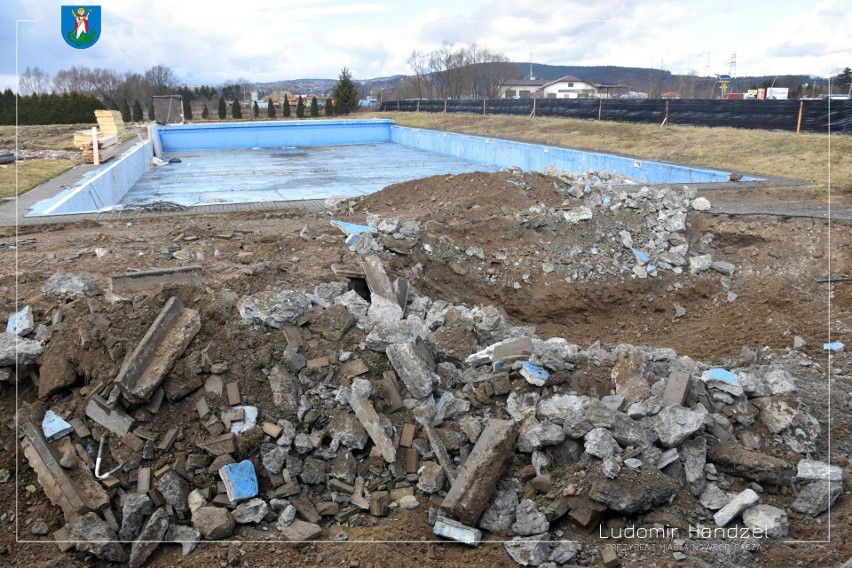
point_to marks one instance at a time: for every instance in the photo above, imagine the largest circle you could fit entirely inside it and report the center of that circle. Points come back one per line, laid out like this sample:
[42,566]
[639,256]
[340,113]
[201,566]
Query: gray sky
[264,40]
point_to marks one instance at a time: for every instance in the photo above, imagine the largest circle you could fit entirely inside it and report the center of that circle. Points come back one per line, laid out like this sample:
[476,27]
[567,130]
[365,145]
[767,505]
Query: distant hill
[643,79]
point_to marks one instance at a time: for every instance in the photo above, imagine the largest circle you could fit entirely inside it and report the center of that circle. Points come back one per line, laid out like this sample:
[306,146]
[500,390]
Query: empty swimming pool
[312,159]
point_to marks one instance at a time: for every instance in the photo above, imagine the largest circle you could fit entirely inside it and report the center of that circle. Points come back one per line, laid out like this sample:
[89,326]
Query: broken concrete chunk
[94,536]
[370,420]
[377,279]
[456,531]
[675,423]
[528,550]
[432,478]
[175,490]
[113,419]
[534,374]
[770,520]
[240,480]
[475,482]
[398,332]
[346,428]
[248,422]
[723,380]
[734,507]
[214,523]
[512,350]
[54,426]
[500,513]
[535,435]
[300,531]
[17,351]
[776,412]
[731,457]
[529,520]
[252,511]
[164,342]
[186,536]
[285,389]
[677,386]
[150,538]
[136,509]
[21,323]
[125,286]
[69,285]
[275,309]
[76,496]
[411,368]
[812,470]
[817,497]
[600,443]
[635,490]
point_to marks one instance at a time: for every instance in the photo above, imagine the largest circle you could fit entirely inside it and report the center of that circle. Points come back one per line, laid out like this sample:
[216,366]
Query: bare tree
[33,81]
[419,62]
[161,80]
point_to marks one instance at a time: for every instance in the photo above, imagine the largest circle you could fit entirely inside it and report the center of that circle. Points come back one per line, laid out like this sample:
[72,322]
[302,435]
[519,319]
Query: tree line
[454,73]
[48,108]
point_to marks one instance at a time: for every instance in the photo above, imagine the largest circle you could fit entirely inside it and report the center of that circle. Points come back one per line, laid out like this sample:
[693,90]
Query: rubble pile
[622,231]
[382,399]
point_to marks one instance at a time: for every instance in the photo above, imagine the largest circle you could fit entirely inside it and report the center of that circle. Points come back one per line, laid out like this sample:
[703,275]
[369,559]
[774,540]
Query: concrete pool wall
[106,187]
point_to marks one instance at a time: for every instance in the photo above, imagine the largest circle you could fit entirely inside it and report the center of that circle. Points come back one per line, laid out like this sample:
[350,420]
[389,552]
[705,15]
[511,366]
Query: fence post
[483,106]
[532,114]
[418,105]
[445,107]
[799,122]
[600,108]
[397,105]
[666,118]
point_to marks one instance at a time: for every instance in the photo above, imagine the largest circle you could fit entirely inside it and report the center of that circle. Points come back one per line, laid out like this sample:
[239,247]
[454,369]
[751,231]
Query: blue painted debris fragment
[641,257]
[835,346]
[456,531]
[723,380]
[352,228]
[240,480]
[722,375]
[21,323]
[54,426]
[248,422]
[534,374]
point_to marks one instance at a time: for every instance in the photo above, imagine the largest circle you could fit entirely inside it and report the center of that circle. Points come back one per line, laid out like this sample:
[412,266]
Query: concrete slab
[165,341]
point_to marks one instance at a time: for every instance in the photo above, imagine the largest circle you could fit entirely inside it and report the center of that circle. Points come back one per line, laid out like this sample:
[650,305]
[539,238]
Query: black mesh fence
[805,116]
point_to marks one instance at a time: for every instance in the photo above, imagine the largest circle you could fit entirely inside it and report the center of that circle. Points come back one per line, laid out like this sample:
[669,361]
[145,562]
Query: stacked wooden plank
[110,122]
[107,145]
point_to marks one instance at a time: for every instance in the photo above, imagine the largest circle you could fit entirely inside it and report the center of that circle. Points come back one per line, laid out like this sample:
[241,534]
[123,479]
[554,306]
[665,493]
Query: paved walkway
[13,212]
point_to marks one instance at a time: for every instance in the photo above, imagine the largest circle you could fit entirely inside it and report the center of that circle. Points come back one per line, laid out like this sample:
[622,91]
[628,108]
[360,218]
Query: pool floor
[207,177]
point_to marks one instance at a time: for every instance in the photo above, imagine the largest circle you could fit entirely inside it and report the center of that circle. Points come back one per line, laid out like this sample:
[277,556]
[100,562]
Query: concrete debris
[413,370]
[530,550]
[17,351]
[240,480]
[487,425]
[54,427]
[150,538]
[71,286]
[675,423]
[529,520]
[476,480]
[214,523]
[164,342]
[136,509]
[817,497]
[735,506]
[456,531]
[769,520]
[75,496]
[184,535]
[95,537]
[21,323]
[275,309]
[252,511]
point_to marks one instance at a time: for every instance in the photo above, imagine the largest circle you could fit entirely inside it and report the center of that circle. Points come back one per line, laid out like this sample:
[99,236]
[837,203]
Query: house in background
[521,89]
[670,95]
[568,87]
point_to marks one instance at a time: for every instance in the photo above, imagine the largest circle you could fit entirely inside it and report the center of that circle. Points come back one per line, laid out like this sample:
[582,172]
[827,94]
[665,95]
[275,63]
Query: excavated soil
[773,296]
